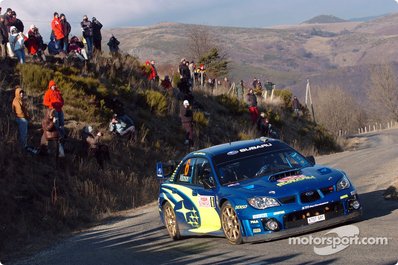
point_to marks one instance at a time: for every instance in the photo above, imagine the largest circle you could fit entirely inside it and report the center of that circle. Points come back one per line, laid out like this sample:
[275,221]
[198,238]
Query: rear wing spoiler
[164,170]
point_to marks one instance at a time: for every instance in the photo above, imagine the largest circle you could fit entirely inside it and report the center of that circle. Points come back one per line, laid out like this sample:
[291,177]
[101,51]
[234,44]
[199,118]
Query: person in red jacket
[53,100]
[57,31]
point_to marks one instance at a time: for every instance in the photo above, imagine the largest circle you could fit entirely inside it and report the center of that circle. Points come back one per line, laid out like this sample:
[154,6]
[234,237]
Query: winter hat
[13,28]
[88,129]
[51,83]
[262,115]
[186,103]
[32,26]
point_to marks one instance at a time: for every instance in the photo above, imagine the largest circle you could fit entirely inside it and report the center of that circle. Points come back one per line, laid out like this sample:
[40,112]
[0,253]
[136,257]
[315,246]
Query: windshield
[260,165]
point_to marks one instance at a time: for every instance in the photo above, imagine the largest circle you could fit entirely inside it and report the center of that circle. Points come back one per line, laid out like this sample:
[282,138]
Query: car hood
[305,179]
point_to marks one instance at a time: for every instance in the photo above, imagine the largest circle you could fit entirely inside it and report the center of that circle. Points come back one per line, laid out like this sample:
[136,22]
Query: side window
[184,175]
[202,172]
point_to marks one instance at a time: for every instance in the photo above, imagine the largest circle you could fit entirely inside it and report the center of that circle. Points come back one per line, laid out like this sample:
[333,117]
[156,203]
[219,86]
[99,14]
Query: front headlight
[263,202]
[343,183]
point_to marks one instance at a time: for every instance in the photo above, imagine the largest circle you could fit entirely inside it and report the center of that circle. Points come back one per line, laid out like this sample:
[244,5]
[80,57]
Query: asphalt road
[137,236]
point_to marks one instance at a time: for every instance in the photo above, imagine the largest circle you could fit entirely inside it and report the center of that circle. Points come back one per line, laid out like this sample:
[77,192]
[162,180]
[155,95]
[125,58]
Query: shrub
[34,78]
[156,101]
[200,119]
[285,95]
[233,105]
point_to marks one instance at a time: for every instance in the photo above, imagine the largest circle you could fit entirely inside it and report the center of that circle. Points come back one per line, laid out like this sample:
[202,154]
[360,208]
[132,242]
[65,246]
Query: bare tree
[337,110]
[200,41]
[384,91]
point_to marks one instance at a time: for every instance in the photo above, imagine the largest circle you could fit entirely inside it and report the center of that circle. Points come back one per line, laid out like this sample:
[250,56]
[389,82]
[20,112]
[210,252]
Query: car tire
[231,224]
[170,221]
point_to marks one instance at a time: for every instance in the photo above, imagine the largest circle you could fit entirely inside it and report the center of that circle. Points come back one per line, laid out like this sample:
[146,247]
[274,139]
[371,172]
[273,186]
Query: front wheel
[170,221]
[230,224]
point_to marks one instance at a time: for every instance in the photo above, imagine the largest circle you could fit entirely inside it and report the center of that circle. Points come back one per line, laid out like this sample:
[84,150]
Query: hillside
[42,197]
[287,55]
[322,19]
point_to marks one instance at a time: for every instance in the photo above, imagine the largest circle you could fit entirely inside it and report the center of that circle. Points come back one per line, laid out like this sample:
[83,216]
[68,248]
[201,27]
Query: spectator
[265,127]
[186,116]
[76,47]
[97,37]
[94,147]
[66,28]
[3,37]
[252,102]
[113,45]
[296,106]
[153,75]
[17,22]
[240,90]
[21,115]
[34,44]
[87,28]
[8,19]
[57,31]
[255,82]
[17,40]
[166,83]
[53,100]
[50,134]
[122,125]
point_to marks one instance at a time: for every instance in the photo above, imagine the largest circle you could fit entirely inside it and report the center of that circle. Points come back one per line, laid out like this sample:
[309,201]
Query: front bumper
[304,229]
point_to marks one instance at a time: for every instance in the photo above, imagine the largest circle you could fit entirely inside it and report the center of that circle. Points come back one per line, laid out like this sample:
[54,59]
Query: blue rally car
[254,190]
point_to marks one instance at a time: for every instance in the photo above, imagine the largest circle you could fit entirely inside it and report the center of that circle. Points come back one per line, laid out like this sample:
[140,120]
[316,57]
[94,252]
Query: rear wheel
[231,224]
[170,221]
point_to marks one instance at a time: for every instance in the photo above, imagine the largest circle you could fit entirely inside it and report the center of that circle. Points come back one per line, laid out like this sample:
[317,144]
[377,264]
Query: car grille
[299,218]
[327,190]
[288,199]
[309,196]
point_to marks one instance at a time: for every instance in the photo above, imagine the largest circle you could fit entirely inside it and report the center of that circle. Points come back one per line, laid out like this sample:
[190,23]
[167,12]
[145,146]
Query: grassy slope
[85,193]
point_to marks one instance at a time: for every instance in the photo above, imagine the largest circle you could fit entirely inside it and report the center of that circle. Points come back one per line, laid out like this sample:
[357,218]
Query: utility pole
[309,98]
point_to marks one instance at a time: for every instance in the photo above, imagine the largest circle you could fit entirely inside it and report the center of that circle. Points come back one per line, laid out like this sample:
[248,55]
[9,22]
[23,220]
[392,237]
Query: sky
[237,13]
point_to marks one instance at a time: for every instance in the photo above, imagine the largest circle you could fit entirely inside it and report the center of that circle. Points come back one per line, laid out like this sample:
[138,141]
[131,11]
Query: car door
[194,205]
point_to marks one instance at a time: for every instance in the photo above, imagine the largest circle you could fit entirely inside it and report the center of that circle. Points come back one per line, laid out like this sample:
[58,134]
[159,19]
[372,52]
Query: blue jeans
[59,124]
[65,44]
[58,45]
[20,55]
[89,41]
[23,131]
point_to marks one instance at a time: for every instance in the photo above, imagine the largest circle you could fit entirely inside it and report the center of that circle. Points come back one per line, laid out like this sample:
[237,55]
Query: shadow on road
[374,205]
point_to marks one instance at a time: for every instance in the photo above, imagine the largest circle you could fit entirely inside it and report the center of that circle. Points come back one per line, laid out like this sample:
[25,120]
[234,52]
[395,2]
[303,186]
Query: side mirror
[311,159]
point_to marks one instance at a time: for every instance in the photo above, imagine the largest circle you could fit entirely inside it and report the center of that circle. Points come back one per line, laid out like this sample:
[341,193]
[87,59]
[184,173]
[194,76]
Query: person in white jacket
[17,40]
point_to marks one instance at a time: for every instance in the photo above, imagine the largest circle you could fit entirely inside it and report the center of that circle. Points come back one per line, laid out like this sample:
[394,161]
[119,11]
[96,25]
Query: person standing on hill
[53,100]
[97,37]
[57,31]
[66,28]
[3,37]
[87,28]
[252,102]
[186,116]
[113,44]
[21,115]
[17,43]
[240,90]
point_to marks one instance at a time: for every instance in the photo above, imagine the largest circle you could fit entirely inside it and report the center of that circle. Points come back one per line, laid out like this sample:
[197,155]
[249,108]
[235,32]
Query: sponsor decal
[252,148]
[257,230]
[315,205]
[254,221]
[271,192]
[293,179]
[184,178]
[261,215]
[344,197]
[191,215]
[231,153]
[279,212]
[199,153]
[206,201]
[240,207]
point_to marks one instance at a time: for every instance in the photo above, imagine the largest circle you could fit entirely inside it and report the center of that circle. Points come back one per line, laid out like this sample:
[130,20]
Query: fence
[372,128]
